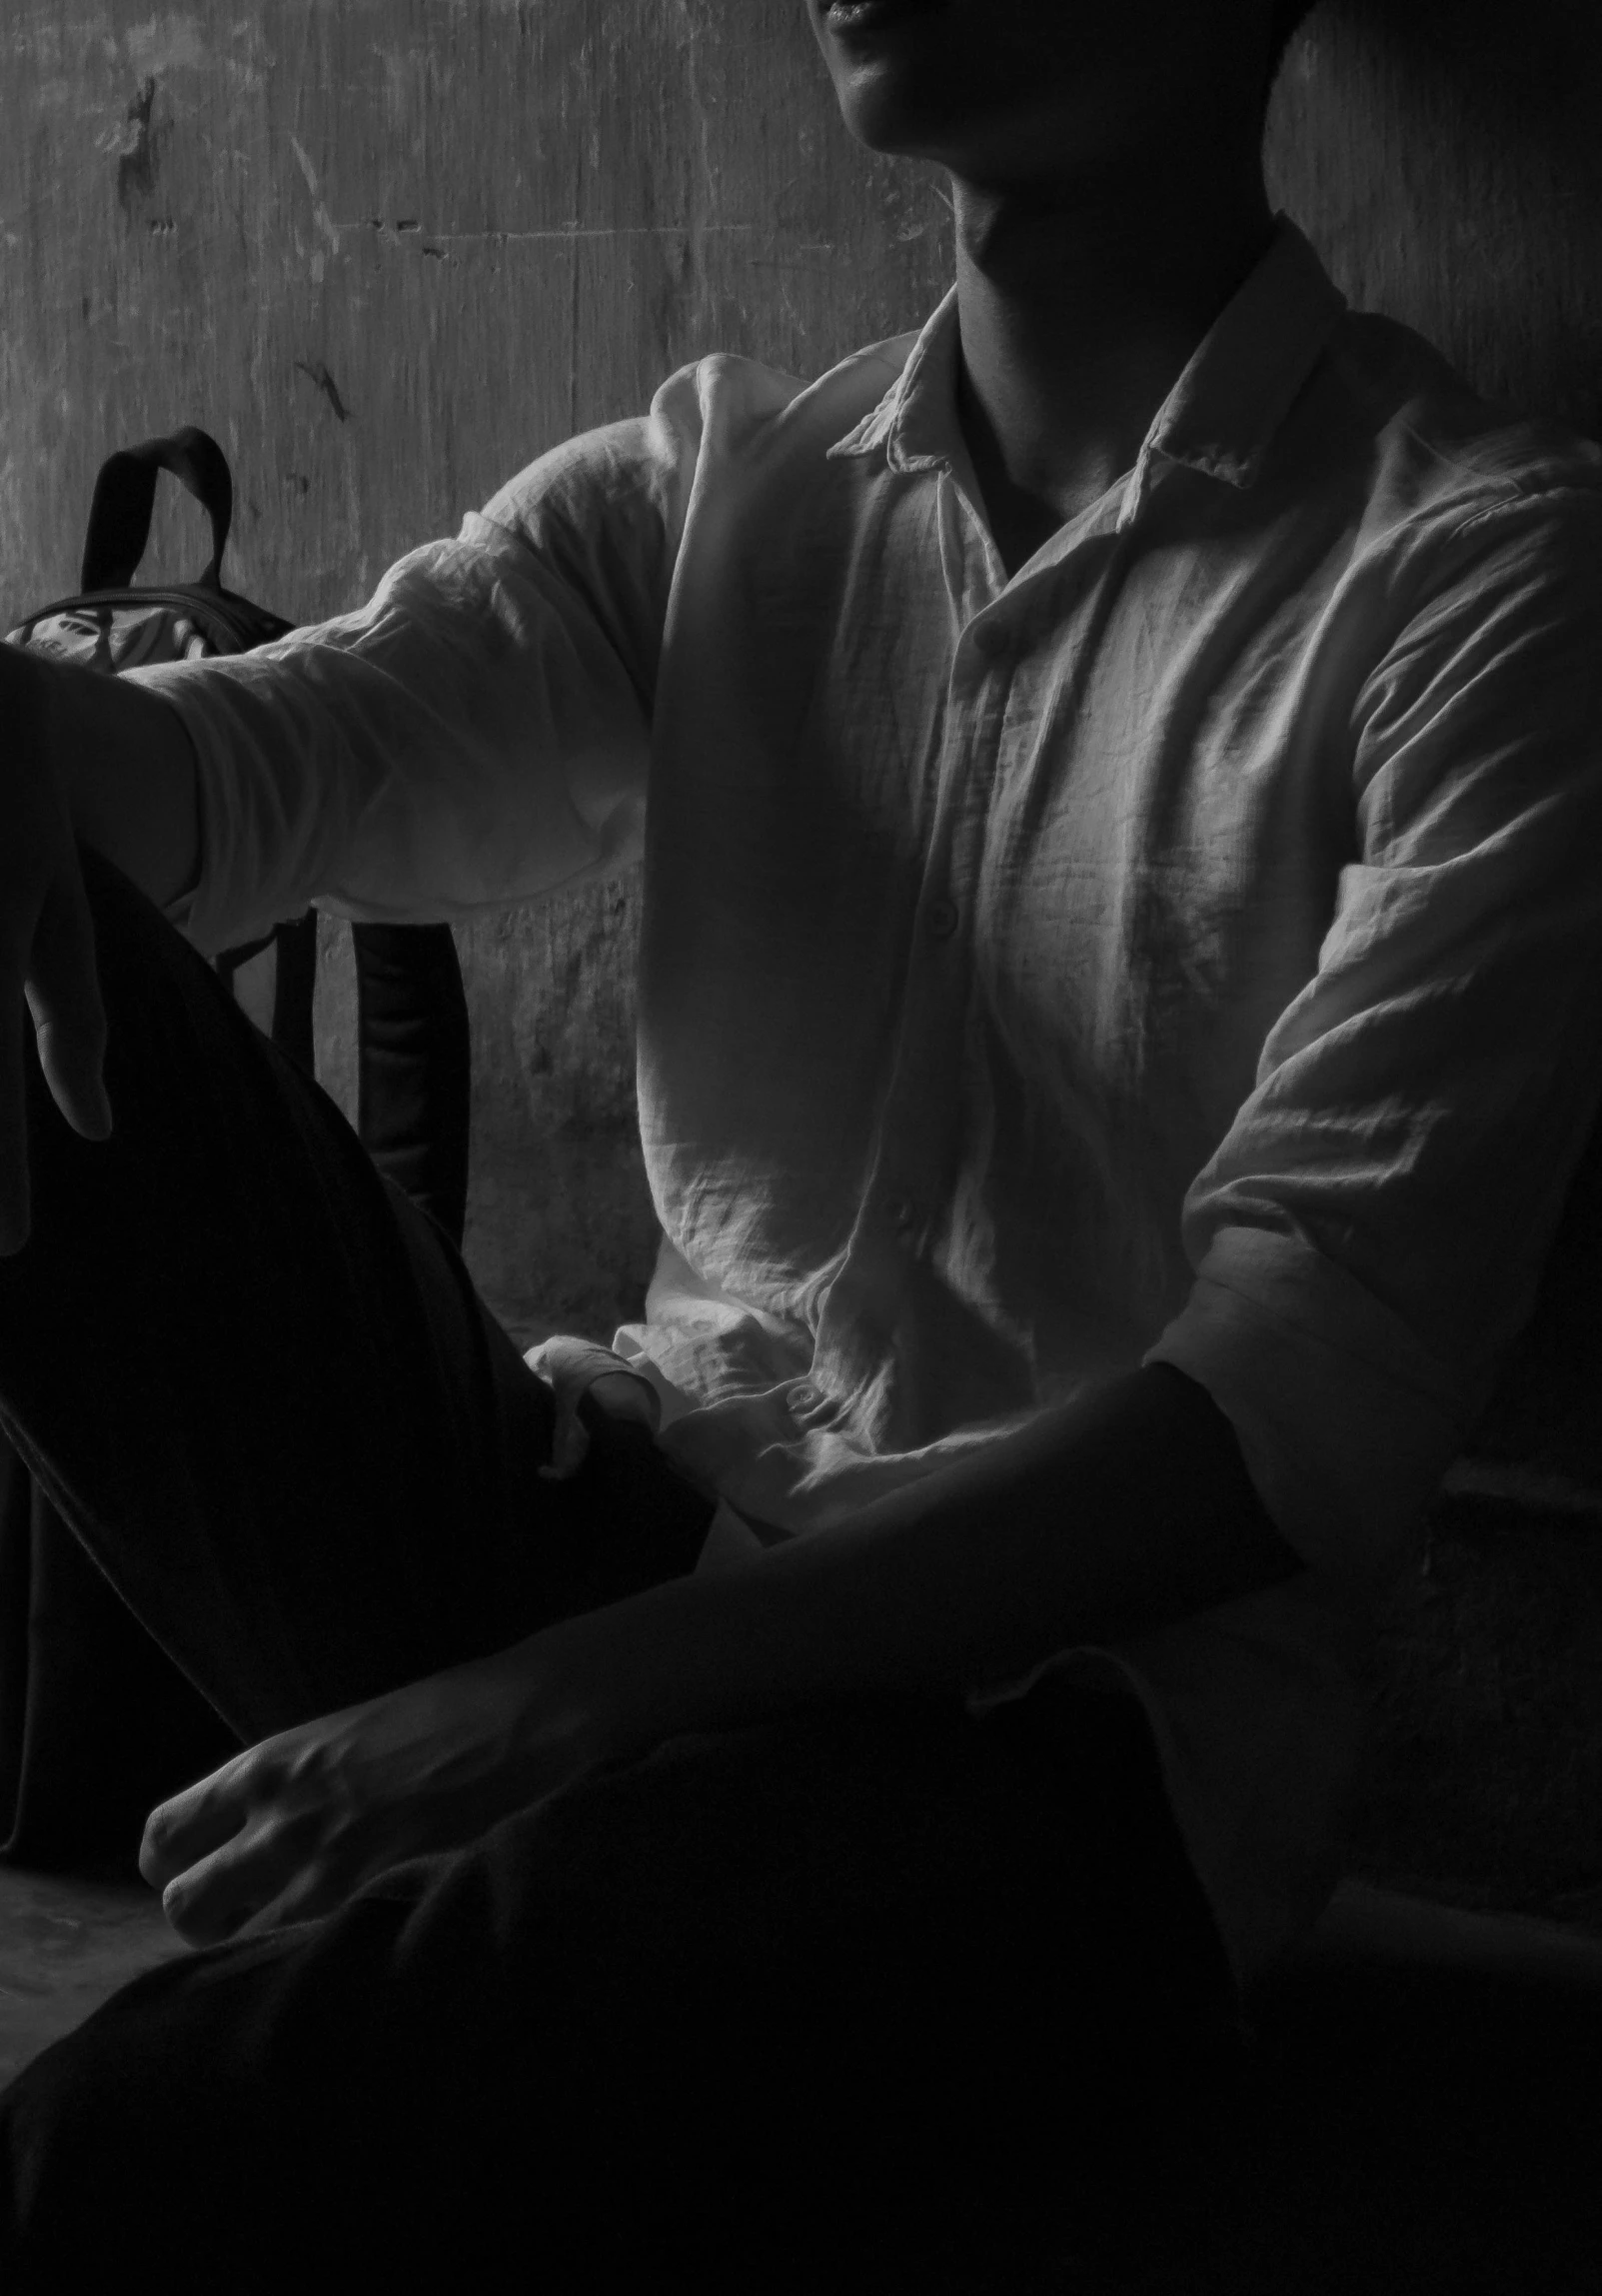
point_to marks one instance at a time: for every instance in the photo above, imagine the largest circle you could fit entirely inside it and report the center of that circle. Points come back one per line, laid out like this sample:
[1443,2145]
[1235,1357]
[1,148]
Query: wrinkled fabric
[1185,951]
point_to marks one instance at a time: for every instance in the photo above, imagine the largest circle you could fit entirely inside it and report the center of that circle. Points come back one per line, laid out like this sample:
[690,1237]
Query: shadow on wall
[561,1232]
[1445,156]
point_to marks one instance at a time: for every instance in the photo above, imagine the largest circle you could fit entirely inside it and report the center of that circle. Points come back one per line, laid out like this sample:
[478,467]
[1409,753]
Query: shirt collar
[1222,414]
[915,424]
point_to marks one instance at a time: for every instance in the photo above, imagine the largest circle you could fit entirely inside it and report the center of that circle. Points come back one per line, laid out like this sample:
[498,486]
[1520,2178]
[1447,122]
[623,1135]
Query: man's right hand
[48,978]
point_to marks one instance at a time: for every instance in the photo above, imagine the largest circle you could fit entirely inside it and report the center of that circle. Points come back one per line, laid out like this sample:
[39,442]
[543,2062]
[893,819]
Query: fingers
[218,1853]
[47,943]
[216,1898]
[239,1844]
[188,1827]
[54,979]
[14,1201]
[272,1871]
[64,997]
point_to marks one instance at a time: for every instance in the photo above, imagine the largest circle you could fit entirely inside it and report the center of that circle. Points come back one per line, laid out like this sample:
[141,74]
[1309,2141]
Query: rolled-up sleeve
[1367,1238]
[474,737]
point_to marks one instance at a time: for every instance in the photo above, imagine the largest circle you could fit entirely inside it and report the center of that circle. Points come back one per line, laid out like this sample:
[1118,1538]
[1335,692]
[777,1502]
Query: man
[1119,969]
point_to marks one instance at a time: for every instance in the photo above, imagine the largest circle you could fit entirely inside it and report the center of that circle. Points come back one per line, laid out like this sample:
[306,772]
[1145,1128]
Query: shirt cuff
[226,904]
[1345,1423]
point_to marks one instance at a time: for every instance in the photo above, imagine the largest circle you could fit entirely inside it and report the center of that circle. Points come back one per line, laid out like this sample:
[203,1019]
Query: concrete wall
[1444,156]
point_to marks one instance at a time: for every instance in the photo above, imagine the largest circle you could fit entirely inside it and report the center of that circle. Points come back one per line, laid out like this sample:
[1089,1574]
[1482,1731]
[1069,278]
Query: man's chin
[905,101]
[928,79]
[861,24]
[889,60]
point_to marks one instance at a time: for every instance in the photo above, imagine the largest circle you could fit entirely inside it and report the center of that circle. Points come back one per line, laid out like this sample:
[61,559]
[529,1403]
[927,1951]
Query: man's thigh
[258,1383]
[742,2006]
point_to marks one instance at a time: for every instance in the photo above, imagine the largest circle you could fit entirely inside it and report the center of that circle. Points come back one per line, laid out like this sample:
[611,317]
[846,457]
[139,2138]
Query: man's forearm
[1116,1516]
[129,770]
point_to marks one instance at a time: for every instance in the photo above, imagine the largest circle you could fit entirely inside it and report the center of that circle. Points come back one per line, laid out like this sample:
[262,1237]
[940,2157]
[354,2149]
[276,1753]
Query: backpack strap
[125,494]
[414,1064]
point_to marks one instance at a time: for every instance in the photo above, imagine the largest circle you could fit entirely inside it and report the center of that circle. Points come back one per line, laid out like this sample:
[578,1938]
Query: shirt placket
[918,1140]
[920,1115]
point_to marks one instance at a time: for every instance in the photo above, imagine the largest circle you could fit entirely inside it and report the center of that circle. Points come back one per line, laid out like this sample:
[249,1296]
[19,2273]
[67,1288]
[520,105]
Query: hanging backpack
[413,1041]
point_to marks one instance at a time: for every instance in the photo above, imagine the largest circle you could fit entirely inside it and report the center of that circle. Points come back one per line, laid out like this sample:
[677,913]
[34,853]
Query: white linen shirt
[1187,951]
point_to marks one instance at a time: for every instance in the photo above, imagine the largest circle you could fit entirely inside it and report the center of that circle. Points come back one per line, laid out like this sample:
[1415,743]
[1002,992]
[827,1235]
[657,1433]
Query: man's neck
[1078,310]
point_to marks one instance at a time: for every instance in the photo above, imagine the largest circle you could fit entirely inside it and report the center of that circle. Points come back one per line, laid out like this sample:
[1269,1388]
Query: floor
[64,1946]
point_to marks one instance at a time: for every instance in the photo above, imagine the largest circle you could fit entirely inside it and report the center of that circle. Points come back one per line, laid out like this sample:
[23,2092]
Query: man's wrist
[619,1681]
[131,778]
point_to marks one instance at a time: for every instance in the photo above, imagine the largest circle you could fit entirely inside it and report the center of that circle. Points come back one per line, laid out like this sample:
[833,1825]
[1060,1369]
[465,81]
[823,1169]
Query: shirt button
[992,638]
[942,919]
[905,1213]
[805,1397]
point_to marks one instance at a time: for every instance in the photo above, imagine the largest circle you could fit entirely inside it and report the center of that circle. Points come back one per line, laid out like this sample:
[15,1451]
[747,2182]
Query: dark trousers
[864,1989]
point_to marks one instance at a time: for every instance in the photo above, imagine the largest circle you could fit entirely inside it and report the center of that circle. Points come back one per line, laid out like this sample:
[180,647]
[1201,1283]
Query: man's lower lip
[848,16]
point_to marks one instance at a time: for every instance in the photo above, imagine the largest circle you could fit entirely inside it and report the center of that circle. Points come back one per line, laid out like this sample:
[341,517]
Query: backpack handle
[125,495]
